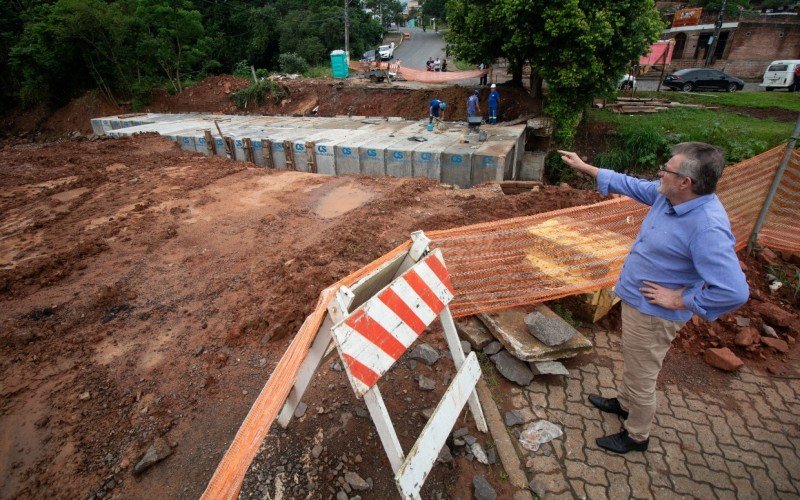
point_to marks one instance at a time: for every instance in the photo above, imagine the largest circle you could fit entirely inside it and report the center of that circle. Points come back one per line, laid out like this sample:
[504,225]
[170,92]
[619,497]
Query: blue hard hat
[443,105]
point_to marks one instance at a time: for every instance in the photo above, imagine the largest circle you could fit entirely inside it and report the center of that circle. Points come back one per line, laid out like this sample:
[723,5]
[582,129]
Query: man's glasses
[663,168]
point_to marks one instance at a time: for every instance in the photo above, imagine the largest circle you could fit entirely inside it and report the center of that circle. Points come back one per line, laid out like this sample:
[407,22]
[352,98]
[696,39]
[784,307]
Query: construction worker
[494,103]
[683,262]
[473,106]
[433,110]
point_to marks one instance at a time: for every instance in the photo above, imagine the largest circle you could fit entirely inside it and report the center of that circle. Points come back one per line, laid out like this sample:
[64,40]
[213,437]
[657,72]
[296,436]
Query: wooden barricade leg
[212,148]
[266,146]
[288,150]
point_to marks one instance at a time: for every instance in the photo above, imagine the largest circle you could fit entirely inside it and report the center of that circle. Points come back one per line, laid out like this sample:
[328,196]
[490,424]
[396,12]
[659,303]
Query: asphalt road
[422,45]
[649,84]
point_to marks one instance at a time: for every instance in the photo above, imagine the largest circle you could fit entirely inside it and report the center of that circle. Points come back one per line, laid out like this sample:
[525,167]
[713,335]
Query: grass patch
[764,100]
[318,71]
[256,94]
[644,140]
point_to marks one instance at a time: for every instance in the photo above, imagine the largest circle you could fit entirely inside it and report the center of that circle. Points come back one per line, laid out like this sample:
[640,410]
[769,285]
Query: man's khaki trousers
[645,341]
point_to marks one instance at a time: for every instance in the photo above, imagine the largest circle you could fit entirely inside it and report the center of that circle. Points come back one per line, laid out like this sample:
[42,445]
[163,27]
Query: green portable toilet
[339,64]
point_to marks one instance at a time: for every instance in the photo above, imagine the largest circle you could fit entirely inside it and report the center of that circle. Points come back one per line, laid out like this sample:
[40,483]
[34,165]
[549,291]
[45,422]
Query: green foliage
[556,170]
[789,275]
[566,315]
[292,63]
[242,70]
[255,95]
[318,71]
[639,148]
[580,47]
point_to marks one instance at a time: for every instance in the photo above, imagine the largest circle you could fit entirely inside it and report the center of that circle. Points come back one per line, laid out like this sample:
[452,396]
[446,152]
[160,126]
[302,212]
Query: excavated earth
[148,293]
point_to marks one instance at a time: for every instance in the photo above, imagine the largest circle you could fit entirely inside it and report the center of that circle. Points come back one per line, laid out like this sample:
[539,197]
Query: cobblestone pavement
[738,445]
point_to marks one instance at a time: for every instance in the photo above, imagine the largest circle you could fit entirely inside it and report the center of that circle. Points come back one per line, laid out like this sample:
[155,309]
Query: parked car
[627,82]
[691,79]
[386,51]
[781,75]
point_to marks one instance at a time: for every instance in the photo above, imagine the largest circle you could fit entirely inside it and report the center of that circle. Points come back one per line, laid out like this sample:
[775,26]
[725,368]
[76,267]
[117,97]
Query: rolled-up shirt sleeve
[640,190]
[724,284]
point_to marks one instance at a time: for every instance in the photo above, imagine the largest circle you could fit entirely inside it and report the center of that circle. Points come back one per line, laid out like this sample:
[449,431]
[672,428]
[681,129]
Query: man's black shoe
[608,405]
[621,443]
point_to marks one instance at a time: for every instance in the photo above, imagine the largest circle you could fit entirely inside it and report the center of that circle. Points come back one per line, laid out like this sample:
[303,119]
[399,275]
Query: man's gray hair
[703,163]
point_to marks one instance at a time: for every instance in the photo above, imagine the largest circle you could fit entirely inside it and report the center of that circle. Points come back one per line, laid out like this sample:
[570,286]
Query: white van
[781,75]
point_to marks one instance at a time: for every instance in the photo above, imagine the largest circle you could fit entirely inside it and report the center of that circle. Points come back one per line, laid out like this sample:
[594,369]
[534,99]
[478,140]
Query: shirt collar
[690,205]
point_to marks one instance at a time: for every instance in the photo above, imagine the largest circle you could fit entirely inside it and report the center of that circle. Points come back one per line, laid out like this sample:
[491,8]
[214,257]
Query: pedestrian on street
[484,77]
[434,109]
[682,263]
[494,104]
[797,78]
[473,106]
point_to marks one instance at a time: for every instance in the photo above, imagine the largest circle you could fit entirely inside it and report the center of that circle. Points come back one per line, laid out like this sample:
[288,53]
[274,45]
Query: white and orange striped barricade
[372,338]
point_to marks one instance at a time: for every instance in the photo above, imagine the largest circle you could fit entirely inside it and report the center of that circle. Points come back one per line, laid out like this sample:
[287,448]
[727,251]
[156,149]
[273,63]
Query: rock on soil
[483,490]
[513,418]
[777,344]
[747,337]
[722,358]
[773,314]
[157,452]
[356,482]
[424,353]
[512,368]
[492,348]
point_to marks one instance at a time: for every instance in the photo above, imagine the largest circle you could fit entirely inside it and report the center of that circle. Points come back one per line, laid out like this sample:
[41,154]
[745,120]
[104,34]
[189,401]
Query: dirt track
[149,292]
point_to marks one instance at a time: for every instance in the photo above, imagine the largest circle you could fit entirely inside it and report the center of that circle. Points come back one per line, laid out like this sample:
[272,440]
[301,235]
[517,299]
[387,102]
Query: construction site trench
[148,292]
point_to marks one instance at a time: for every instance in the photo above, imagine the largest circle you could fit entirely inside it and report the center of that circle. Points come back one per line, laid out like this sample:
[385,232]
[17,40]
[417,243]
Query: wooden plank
[383,424]
[420,459]
[288,150]
[248,150]
[453,342]
[312,157]
[210,145]
[228,148]
[266,147]
[307,369]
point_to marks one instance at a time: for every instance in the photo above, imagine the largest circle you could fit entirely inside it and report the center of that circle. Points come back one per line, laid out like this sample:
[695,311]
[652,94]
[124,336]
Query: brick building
[746,46]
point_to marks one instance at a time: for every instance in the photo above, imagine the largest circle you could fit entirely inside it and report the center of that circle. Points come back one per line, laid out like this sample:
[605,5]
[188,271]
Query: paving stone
[750,415]
[574,390]
[779,475]
[564,495]
[761,448]
[583,409]
[774,399]
[736,453]
[605,377]
[763,483]
[572,421]
[639,480]
[708,441]
[694,416]
[519,401]
[590,384]
[595,492]
[737,470]
[556,399]
[612,463]
[540,464]
[716,463]
[578,487]
[546,484]
[676,459]
[790,460]
[589,368]
[681,426]
[735,423]
[706,475]
[667,434]
[703,407]
[726,494]
[721,430]
[785,390]
[764,410]
[694,459]
[685,486]
[690,444]
[665,494]
[773,438]
[595,475]
[675,397]
[745,489]
[575,447]
[619,487]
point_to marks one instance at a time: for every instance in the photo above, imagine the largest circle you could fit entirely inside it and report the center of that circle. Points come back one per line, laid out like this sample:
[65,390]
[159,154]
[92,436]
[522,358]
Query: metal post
[774,188]
[715,36]
[346,30]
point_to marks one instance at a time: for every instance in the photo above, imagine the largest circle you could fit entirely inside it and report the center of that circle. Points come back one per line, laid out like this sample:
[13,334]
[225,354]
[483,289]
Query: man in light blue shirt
[682,263]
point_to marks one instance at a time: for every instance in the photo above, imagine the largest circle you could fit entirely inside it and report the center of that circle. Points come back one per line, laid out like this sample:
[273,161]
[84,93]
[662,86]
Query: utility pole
[346,30]
[715,37]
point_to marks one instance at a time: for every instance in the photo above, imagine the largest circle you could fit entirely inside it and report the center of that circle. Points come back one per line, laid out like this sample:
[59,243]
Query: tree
[435,8]
[174,36]
[580,47]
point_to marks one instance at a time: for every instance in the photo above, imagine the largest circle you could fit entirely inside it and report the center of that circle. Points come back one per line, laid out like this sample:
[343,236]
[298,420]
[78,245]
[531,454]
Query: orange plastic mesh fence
[502,264]
[781,229]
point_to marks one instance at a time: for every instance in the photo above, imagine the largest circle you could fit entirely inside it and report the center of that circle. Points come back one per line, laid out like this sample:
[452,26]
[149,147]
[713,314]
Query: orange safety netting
[508,263]
[780,229]
[422,75]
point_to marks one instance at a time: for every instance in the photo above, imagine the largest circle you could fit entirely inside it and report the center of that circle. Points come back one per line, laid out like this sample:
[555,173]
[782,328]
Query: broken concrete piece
[466,347]
[356,482]
[512,368]
[157,452]
[722,358]
[426,384]
[549,368]
[513,418]
[424,353]
[480,455]
[550,331]
[509,328]
[472,330]
[769,331]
